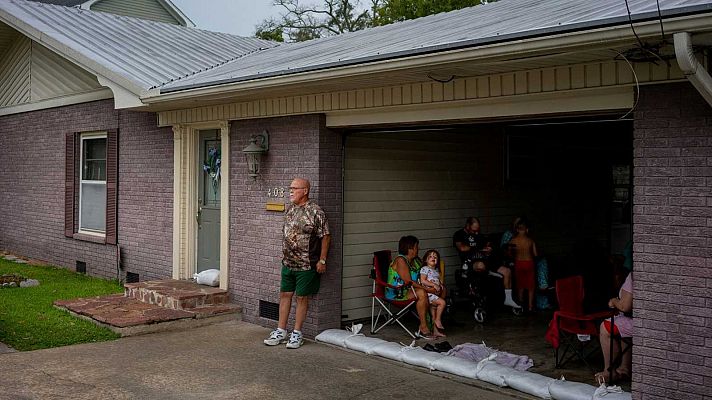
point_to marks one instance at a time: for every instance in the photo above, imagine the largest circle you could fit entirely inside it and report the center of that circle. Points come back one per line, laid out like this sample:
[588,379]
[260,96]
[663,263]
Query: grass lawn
[29,321]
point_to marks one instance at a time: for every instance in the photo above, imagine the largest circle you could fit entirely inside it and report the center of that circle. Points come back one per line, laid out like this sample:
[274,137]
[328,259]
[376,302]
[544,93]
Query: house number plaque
[276,192]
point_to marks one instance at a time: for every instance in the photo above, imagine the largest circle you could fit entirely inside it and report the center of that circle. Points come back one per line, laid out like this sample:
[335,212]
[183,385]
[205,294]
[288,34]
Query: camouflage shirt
[304,226]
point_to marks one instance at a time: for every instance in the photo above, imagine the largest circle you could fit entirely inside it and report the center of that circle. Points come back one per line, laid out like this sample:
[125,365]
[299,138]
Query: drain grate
[269,310]
[131,277]
[81,267]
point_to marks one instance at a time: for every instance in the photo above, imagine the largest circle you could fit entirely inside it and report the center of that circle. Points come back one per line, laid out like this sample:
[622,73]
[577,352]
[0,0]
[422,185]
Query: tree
[401,10]
[300,22]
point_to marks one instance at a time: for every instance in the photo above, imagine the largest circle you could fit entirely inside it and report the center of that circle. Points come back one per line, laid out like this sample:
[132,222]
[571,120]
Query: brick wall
[672,353]
[298,147]
[32,195]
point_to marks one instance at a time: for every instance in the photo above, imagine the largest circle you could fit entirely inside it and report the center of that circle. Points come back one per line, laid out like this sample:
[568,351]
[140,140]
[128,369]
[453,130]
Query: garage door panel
[407,175]
[418,183]
[375,227]
[404,195]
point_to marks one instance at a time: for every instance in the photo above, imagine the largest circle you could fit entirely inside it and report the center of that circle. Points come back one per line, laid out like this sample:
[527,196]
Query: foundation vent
[131,277]
[81,267]
[269,310]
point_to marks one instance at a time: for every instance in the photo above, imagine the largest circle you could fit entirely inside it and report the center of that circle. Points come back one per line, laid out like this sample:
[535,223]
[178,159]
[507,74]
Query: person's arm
[534,252]
[404,272]
[325,243]
[427,284]
[624,304]
[462,247]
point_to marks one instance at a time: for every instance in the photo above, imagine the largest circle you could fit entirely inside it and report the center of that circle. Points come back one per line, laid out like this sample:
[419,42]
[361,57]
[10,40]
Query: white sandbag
[491,372]
[456,366]
[604,392]
[210,277]
[565,390]
[421,358]
[389,350]
[334,336]
[530,383]
[362,343]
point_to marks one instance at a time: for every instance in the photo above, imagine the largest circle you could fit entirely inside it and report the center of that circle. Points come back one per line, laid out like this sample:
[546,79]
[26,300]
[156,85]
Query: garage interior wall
[427,182]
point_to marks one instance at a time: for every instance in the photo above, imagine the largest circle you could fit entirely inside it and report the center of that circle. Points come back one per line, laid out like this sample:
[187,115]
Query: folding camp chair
[570,321]
[379,274]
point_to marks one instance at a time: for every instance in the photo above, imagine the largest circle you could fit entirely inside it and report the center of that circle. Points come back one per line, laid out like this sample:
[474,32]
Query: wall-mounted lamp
[259,144]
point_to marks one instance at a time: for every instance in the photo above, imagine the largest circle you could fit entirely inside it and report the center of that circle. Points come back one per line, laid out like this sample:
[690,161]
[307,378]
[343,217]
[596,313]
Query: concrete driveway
[223,361]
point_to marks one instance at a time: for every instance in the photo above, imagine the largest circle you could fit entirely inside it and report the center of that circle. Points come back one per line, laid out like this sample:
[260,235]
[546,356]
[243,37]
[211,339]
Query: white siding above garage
[421,183]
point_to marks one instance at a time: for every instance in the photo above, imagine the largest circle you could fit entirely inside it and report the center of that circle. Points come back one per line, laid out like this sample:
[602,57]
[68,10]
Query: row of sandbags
[486,370]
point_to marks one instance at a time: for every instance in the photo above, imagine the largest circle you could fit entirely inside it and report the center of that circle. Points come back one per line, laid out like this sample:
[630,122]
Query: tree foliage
[400,10]
[299,22]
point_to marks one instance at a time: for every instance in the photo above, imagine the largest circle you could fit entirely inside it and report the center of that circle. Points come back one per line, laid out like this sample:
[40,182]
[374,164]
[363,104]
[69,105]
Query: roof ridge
[260,49]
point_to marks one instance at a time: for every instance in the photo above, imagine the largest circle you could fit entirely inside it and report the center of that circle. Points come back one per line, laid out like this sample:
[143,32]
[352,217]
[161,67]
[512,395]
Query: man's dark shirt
[476,241]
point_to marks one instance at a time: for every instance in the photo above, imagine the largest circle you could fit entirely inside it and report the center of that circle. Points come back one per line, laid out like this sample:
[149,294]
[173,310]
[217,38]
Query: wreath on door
[211,166]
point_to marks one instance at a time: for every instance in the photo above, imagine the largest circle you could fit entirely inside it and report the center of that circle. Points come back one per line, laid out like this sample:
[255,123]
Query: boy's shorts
[304,283]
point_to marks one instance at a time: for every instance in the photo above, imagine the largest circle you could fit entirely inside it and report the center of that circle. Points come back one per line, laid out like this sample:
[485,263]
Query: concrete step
[176,295]
[128,316]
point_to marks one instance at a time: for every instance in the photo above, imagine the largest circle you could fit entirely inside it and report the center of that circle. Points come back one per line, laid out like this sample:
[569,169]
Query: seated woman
[403,272]
[623,327]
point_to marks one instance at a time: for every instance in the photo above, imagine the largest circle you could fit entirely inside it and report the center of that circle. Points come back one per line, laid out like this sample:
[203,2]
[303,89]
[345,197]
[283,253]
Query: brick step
[128,316]
[176,295]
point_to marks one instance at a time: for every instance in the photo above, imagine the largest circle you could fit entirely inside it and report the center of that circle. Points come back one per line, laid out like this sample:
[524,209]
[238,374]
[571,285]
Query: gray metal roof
[147,53]
[504,20]
[66,3]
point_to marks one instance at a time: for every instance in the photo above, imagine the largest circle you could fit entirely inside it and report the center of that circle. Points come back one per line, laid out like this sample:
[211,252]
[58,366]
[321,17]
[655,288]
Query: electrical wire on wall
[637,85]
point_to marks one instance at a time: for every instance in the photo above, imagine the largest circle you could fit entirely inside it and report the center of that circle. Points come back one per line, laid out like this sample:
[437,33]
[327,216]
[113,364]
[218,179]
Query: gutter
[693,70]
[607,37]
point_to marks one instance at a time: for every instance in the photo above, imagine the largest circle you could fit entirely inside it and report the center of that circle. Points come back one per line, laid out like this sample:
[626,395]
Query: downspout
[693,70]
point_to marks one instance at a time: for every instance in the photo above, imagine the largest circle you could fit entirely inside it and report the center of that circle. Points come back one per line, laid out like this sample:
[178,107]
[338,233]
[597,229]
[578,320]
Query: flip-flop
[420,335]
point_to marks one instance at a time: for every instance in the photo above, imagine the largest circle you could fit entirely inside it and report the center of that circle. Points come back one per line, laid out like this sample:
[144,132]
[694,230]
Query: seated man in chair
[473,248]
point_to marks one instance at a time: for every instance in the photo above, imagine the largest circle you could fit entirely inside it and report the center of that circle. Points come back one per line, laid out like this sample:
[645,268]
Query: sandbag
[362,343]
[421,358]
[491,372]
[530,383]
[456,366]
[210,277]
[334,336]
[565,390]
[604,392]
[389,350]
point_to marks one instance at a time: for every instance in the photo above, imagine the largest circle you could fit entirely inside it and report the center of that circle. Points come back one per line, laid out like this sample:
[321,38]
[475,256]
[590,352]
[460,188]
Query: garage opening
[572,179]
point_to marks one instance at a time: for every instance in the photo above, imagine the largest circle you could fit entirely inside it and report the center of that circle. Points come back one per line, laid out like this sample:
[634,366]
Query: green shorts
[304,283]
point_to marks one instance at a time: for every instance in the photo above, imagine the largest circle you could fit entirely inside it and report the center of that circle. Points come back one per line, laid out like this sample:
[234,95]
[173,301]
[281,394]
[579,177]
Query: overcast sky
[238,17]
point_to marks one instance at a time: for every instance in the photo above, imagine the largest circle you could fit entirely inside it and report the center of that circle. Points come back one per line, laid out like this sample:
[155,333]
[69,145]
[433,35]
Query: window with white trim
[92,183]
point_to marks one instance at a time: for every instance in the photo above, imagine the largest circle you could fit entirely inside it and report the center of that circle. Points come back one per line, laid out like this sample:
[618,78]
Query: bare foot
[438,334]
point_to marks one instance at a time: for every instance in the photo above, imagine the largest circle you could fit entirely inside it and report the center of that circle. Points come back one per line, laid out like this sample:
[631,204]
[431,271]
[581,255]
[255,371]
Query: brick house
[593,122]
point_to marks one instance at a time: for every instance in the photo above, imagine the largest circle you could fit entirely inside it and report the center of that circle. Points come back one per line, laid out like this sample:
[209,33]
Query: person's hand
[320,268]
[612,303]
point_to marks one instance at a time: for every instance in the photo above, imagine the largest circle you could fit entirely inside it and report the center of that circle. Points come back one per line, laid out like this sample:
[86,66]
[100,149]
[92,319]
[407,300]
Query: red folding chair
[570,321]
[379,274]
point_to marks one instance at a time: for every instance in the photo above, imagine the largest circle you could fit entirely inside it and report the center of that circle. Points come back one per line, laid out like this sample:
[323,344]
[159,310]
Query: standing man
[474,249]
[305,247]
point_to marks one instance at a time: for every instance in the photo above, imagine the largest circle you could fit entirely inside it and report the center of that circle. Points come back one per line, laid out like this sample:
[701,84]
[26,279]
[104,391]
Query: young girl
[524,274]
[430,278]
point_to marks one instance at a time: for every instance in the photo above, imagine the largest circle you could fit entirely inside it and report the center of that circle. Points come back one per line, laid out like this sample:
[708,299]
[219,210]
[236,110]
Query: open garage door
[426,182]
[422,183]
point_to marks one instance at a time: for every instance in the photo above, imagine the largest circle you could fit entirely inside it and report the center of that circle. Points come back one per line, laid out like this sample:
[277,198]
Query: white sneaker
[295,341]
[277,336]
